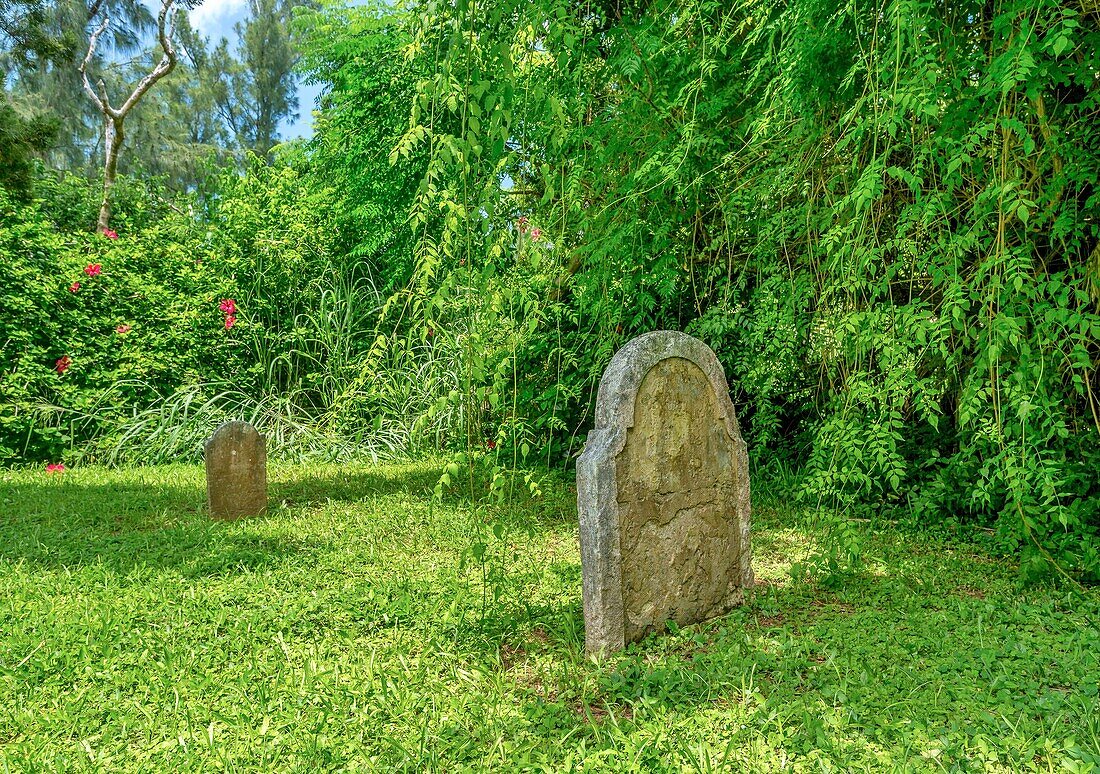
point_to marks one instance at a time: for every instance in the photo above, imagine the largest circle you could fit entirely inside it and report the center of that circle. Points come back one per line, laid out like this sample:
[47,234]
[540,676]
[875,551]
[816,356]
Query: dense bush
[92,325]
[20,139]
[98,330]
[882,215]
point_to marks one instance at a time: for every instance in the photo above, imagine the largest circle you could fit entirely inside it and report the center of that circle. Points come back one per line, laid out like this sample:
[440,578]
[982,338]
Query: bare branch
[166,27]
[92,42]
[103,95]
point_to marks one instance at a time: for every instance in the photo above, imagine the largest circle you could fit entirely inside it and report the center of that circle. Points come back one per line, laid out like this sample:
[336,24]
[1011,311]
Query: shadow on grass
[125,528]
[882,664]
[294,487]
[303,487]
[125,525]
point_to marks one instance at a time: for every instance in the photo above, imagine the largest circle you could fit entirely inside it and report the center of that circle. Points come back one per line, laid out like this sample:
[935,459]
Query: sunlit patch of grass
[350,628]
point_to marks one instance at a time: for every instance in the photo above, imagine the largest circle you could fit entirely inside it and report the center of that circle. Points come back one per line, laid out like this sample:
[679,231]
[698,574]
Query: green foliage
[146,322]
[20,139]
[356,53]
[254,88]
[152,365]
[883,216]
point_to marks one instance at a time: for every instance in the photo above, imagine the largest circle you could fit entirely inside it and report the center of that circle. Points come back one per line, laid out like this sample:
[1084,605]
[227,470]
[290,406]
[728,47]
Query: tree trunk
[112,141]
[114,117]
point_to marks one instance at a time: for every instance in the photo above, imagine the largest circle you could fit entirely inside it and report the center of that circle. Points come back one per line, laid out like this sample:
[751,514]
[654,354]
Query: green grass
[344,631]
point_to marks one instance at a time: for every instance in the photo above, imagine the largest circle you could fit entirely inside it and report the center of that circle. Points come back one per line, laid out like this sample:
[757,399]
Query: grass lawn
[343,631]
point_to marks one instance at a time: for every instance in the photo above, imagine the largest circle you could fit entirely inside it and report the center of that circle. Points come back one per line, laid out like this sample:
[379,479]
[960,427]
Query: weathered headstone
[236,471]
[663,494]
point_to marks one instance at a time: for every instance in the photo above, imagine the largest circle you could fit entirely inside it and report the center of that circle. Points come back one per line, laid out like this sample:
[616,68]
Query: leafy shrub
[132,318]
[138,323]
[882,215]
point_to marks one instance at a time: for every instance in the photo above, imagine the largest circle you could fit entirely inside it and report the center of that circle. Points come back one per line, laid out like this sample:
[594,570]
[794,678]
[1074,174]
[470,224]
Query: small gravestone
[663,494]
[236,471]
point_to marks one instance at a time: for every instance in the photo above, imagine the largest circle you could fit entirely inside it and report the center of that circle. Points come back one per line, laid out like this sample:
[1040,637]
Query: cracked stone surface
[663,494]
[236,471]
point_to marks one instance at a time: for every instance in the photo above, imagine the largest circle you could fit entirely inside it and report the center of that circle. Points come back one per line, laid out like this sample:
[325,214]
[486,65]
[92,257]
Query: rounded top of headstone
[624,374]
[232,430]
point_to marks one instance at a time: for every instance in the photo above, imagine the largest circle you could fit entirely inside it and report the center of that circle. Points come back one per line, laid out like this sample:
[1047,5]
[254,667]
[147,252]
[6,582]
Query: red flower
[228,305]
[55,468]
[93,269]
[74,287]
[230,321]
[536,233]
[490,443]
[62,364]
[110,234]
[124,328]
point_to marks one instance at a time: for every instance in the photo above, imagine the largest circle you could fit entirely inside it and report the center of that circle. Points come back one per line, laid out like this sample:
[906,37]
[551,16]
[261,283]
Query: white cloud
[215,18]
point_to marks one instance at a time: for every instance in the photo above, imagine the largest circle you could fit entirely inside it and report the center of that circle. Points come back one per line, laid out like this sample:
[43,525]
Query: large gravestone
[663,494]
[236,471]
